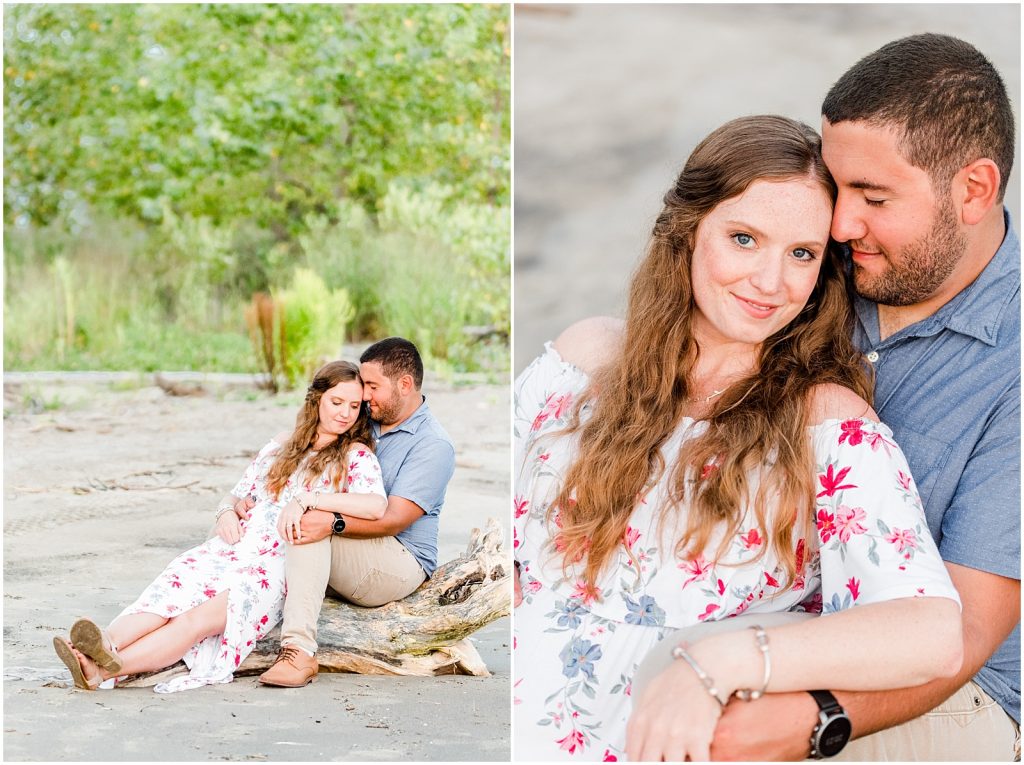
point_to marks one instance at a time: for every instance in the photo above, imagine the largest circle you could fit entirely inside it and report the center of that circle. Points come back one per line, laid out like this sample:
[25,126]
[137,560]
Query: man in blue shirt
[919,136]
[371,562]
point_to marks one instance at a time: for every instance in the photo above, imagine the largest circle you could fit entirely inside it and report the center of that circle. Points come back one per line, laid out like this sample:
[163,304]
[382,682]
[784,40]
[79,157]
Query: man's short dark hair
[397,357]
[944,98]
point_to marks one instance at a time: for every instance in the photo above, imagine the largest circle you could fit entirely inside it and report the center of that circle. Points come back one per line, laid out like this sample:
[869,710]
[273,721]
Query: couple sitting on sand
[342,500]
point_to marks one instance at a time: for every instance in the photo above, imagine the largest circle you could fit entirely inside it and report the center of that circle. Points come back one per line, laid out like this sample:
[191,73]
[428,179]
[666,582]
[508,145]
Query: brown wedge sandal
[88,638]
[66,655]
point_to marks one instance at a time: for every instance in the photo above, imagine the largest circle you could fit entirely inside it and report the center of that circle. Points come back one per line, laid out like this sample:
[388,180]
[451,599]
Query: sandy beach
[105,482]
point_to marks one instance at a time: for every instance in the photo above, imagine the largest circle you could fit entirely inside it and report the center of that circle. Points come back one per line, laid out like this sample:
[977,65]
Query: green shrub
[311,325]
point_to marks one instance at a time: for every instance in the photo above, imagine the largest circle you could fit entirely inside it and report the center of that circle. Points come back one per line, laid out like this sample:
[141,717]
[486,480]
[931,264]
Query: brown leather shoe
[293,668]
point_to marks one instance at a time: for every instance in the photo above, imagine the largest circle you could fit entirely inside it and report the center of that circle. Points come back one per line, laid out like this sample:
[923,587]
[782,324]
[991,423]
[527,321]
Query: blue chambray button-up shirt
[417,459]
[949,387]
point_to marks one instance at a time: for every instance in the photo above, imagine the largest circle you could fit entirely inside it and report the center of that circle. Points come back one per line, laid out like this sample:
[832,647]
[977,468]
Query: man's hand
[776,727]
[244,505]
[315,525]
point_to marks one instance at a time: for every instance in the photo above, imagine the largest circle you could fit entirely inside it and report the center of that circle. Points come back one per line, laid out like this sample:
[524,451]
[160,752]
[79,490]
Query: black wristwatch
[833,729]
[339,524]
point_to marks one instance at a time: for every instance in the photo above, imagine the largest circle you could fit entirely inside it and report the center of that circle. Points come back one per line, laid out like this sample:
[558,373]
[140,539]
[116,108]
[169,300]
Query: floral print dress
[577,648]
[252,571]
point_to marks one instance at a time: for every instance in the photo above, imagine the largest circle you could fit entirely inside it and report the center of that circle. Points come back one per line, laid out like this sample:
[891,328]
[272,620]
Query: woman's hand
[229,528]
[289,522]
[674,719]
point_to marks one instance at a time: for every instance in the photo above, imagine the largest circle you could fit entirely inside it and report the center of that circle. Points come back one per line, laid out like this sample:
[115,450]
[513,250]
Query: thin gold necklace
[704,400]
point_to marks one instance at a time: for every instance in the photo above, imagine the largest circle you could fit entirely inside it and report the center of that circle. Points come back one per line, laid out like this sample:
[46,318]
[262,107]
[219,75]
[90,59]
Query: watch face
[834,736]
[339,525]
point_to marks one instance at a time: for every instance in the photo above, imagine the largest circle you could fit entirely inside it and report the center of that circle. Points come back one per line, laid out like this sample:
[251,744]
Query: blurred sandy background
[609,100]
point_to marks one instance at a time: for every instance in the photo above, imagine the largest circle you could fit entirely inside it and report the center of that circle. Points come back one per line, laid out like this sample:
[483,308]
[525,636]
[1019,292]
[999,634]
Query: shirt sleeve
[981,528]
[257,470]
[873,538]
[425,474]
[543,396]
[364,476]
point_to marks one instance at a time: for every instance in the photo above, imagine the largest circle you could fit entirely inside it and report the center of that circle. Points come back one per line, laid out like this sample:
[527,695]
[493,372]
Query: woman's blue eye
[802,254]
[743,240]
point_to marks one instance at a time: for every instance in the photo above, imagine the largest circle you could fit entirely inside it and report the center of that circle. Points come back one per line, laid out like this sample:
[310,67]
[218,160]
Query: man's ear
[976,188]
[406,384]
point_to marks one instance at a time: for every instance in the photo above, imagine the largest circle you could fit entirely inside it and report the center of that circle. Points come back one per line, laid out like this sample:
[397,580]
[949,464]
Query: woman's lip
[754,307]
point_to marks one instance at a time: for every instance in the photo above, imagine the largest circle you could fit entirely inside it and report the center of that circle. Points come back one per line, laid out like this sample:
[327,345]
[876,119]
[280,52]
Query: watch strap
[827,703]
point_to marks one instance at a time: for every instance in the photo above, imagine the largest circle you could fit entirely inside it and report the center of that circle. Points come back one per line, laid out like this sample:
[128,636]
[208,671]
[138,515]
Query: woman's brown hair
[304,437]
[758,421]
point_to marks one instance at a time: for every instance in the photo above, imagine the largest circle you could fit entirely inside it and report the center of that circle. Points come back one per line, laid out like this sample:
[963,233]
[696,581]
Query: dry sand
[102,487]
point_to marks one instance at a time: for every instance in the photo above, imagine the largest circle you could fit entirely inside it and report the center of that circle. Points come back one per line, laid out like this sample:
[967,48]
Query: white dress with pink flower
[252,570]
[577,649]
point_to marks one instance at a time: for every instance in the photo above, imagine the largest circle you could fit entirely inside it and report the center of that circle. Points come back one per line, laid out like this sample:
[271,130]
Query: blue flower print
[570,613]
[579,656]
[646,612]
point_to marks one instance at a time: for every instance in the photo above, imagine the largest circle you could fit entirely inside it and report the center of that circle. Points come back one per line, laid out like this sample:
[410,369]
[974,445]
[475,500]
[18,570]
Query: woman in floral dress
[213,602]
[715,455]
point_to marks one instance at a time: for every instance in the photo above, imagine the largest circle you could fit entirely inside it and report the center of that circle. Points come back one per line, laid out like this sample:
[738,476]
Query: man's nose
[847,223]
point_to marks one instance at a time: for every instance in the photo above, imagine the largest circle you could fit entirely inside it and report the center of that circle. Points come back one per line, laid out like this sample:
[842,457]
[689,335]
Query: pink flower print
[832,483]
[588,593]
[175,583]
[572,742]
[544,456]
[853,585]
[532,586]
[707,470]
[515,538]
[904,480]
[538,421]
[557,405]
[721,587]
[698,569]
[800,550]
[609,757]
[631,536]
[770,580]
[851,431]
[238,658]
[826,525]
[712,607]
[877,439]
[265,584]
[847,522]
[751,539]
[361,452]
[210,592]
[903,539]
[520,505]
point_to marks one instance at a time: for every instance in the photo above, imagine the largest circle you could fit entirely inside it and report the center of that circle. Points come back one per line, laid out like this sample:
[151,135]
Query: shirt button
[873,357]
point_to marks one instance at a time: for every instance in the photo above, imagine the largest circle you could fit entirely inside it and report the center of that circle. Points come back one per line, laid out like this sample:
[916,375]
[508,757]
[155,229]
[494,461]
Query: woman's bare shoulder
[830,401]
[591,343]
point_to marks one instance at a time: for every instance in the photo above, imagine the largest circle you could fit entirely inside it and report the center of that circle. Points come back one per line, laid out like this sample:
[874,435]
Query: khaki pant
[367,572]
[969,726]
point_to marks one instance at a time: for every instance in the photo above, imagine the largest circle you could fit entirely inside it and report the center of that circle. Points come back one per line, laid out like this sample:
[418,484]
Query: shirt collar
[410,425]
[976,311]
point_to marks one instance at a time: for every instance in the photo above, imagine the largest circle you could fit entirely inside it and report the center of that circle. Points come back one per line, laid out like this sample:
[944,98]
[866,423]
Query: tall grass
[118,295]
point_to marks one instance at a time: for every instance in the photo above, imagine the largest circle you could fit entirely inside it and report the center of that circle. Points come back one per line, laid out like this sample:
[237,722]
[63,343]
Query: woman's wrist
[732,659]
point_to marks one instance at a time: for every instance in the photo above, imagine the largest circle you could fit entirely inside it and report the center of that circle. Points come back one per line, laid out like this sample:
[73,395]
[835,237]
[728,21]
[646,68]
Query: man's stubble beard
[921,268]
[388,414]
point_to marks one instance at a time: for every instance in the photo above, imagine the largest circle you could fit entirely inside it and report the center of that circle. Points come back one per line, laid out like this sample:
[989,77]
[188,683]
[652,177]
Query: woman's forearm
[369,506]
[895,644]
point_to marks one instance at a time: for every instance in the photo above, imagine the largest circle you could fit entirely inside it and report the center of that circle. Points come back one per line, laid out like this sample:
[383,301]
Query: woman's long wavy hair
[303,438]
[759,421]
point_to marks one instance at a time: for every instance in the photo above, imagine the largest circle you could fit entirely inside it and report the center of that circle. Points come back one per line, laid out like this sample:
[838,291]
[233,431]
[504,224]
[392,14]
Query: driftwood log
[423,634]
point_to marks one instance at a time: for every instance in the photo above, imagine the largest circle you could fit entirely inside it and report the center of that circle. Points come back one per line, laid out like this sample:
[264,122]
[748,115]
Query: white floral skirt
[573,676]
